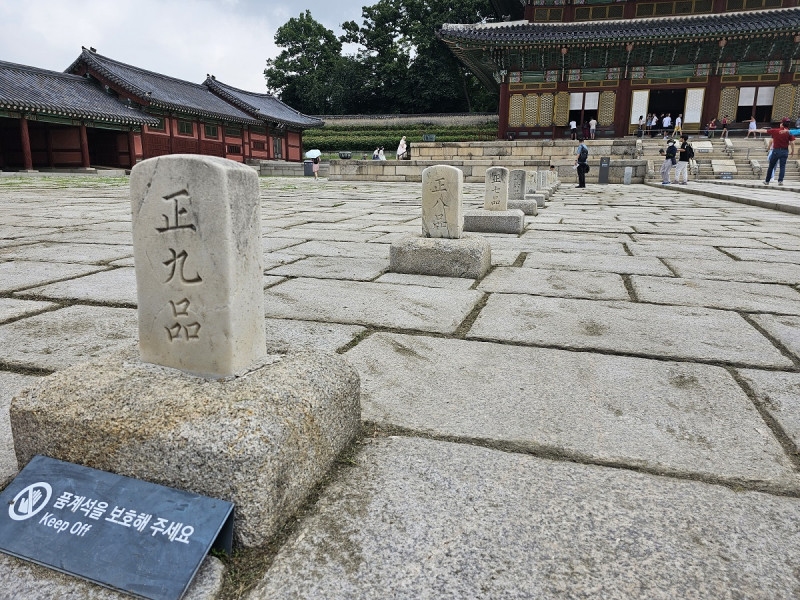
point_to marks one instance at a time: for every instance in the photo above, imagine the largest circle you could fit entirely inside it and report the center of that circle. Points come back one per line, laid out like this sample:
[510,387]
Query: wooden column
[622,110]
[49,142]
[711,99]
[244,156]
[503,111]
[222,137]
[131,148]
[171,133]
[27,159]
[84,148]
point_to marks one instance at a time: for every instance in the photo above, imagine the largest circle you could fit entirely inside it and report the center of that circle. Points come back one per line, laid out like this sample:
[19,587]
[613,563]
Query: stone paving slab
[10,385]
[22,274]
[545,282]
[530,243]
[684,333]
[12,308]
[734,270]
[676,250]
[364,303]
[74,253]
[426,519]
[454,283]
[67,336]
[346,249]
[757,254]
[730,295]
[666,416]
[329,235]
[639,265]
[22,579]
[284,333]
[91,236]
[116,286]
[780,395]
[333,267]
[785,329]
[732,240]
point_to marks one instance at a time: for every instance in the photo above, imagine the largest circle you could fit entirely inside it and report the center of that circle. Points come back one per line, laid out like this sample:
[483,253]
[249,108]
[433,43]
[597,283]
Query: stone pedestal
[527,206]
[262,440]
[538,198]
[495,221]
[468,256]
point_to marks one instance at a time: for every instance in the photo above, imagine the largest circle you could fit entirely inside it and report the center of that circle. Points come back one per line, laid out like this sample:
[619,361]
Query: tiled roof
[161,91]
[49,92]
[266,106]
[786,20]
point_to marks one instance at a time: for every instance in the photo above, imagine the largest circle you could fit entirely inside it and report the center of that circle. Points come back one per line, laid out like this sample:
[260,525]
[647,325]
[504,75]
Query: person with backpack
[686,153]
[669,161]
[582,163]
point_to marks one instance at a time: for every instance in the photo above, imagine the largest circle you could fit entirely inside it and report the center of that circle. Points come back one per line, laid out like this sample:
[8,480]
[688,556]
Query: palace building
[555,61]
[102,112]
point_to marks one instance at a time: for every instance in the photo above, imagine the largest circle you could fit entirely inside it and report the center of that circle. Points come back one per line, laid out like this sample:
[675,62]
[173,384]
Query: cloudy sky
[230,39]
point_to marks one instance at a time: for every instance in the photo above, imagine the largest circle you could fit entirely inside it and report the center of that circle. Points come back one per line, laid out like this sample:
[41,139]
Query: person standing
[724,132]
[315,166]
[573,129]
[401,149]
[582,162]
[752,126]
[678,125]
[782,148]
[653,125]
[666,124]
[669,161]
[712,127]
[592,128]
[381,155]
[686,153]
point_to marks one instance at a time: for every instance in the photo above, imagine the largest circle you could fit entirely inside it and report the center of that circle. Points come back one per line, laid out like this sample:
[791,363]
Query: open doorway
[666,102]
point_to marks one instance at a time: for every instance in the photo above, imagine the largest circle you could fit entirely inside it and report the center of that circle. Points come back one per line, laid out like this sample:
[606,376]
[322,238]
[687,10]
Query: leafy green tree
[411,70]
[305,73]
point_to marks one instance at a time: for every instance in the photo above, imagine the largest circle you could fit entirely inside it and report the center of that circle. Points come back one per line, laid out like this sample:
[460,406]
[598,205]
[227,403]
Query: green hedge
[361,139]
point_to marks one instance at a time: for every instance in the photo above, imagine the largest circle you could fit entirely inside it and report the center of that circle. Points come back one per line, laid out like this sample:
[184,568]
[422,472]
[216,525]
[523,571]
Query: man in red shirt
[782,141]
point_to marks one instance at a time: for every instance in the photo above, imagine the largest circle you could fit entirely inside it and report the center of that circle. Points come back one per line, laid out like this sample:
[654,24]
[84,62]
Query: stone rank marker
[442,215]
[441,250]
[495,216]
[496,197]
[197,252]
[517,184]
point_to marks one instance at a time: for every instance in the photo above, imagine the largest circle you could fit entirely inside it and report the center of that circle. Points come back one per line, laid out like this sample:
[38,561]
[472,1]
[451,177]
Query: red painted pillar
[84,148]
[503,111]
[622,110]
[27,159]
[222,136]
[49,142]
[711,99]
[171,133]
[131,148]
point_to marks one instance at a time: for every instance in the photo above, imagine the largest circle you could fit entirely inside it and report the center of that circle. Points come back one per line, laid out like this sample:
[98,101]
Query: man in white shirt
[678,125]
[666,124]
[592,127]
[573,129]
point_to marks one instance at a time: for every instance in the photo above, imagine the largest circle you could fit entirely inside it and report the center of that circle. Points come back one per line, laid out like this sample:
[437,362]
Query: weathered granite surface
[468,256]
[261,441]
[418,518]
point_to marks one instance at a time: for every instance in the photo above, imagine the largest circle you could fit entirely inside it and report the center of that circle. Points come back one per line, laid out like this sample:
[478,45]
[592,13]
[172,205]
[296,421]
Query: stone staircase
[734,158]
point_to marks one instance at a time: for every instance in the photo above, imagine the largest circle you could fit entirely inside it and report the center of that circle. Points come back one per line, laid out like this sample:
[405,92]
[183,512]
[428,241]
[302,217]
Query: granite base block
[262,441]
[538,197]
[469,257]
[494,221]
[529,207]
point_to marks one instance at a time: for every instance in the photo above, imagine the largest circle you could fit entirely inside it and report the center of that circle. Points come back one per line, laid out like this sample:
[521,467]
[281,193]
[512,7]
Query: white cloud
[182,38]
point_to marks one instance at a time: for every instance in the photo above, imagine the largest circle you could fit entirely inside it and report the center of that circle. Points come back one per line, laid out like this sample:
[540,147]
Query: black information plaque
[130,535]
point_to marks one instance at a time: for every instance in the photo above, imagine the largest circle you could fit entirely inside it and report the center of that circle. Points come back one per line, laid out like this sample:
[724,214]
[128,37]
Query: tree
[304,74]
[412,71]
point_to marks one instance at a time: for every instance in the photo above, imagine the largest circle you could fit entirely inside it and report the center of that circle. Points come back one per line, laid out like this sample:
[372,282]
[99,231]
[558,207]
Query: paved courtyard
[612,412]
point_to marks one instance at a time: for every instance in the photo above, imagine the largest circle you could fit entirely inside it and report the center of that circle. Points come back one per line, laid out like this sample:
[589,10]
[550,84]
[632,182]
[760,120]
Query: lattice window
[561,110]
[796,104]
[728,101]
[782,101]
[546,103]
[531,110]
[605,112]
[515,110]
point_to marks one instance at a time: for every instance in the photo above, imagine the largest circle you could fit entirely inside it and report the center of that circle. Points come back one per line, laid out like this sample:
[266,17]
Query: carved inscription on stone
[516,184]
[442,215]
[197,251]
[496,197]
